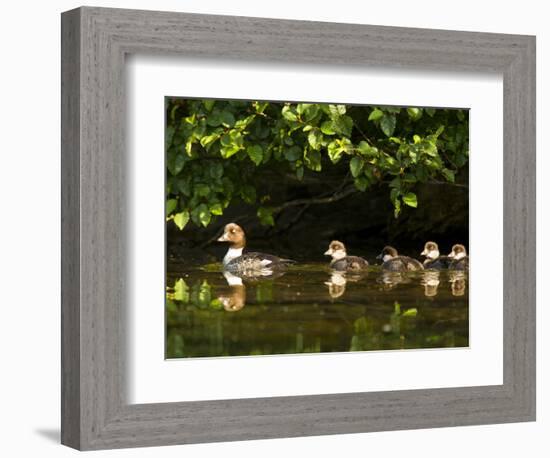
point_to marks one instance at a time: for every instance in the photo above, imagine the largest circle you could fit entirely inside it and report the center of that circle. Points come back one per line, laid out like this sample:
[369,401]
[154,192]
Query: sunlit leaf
[376,114]
[181,219]
[410,199]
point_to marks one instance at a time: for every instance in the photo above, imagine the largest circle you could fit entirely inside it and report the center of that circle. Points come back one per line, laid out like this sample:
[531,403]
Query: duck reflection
[338,280]
[457,278]
[430,280]
[235,299]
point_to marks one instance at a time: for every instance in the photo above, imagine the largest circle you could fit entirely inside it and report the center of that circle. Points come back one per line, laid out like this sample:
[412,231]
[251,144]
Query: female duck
[433,259]
[459,258]
[395,263]
[251,262]
[341,261]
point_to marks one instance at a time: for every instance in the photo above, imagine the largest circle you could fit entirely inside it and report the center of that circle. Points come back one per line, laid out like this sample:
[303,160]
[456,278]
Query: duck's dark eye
[232,231]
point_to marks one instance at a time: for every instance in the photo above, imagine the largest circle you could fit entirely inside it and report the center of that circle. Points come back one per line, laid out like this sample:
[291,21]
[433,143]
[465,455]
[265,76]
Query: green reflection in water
[311,310]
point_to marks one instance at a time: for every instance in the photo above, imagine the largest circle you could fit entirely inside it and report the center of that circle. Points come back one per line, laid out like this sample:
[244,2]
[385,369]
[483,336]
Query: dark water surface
[309,309]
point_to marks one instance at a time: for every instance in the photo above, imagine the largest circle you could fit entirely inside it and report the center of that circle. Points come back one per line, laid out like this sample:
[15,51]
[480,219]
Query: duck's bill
[328,252]
[451,255]
[424,253]
[380,256]
[223,238]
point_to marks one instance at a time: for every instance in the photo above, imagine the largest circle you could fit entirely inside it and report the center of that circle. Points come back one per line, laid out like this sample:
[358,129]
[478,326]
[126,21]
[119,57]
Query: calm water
[311,310]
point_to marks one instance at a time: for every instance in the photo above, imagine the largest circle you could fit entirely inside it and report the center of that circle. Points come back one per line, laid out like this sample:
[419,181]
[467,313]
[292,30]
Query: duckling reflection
[235,300]
[457,279]
[390,279]
[338,280]
[430,280]
[336,284]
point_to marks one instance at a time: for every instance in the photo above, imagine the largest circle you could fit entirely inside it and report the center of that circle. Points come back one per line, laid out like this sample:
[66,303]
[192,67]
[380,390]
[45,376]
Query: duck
[341,261]
[236,261]
[459,258]
[392,261]
[433,259]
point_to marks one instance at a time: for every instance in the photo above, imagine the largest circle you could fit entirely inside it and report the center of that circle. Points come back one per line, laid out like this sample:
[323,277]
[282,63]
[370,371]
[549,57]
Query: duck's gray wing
[257,261]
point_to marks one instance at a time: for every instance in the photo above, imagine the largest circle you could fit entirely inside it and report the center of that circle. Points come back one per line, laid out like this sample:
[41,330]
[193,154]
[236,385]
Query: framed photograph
[267,228]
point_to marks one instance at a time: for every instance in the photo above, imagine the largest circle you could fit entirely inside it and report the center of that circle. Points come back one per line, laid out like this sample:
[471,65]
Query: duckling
[433,259]
[341,261]
[238,262]
[459,258]
[395,263]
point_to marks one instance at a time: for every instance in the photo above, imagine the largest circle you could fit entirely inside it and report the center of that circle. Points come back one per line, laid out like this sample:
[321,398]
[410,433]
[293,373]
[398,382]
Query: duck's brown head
[431,250]
[234,235]
[336,249]
[388,252]
[458,252]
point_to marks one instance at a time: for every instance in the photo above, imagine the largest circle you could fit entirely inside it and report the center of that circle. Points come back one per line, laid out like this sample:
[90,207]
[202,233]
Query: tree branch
[317,200]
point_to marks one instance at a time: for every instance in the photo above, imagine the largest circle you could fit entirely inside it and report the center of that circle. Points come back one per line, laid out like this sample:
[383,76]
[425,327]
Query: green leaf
[248,194]
[315,139]
[395,183]
[231,144]
[396,208]
[410,312]
[334,151]
[410,199]
[343,125]
[181,219]
[288,114]
[336,110]
[207,140]
[299,173]
[293,153]
[414,113]
[227,119]
[387,124]
[169,136]
[361,183]
[449,175]
[216,170]
[327,128]
[216,209]
[430,111]
[376,114]
[312,159]
[175,165]
[202,190]
[265,215]
[311,111]
[255,153]
[208,104]
[356,166]
[171,205]
[367,150]
[204,214]
[214,119]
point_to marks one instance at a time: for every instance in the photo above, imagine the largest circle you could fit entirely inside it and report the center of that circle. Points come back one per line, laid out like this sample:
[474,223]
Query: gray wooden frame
[95,413]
